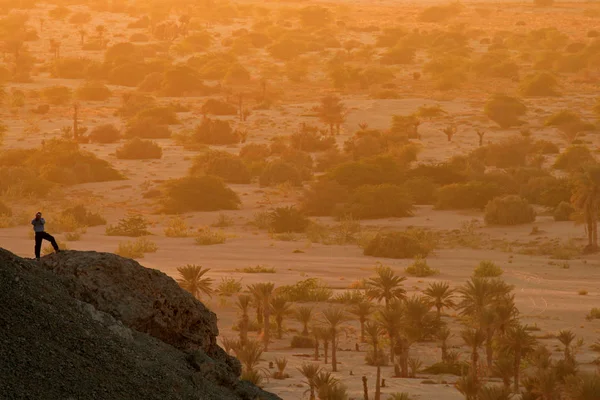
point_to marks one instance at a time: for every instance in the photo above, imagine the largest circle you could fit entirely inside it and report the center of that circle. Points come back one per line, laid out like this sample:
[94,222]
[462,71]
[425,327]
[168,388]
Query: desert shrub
[302,342]
[399,54]
[71,67]
[161,115]
[205,193]
[547,191]
[253,152]
[509,210]
[132,103]
[382,358]
[307,290]
[107,133]
[176,227]
[258,269]
[407,244]
[541,84]
[133,226]
[216,132]
[440,174]
[208,237]
[569,122]
[460,196]
[371,171]
[48,249]
[84,217]
[510,152]
[310,139]
[573,158]
[139,149]
[23,181]
[80,18]
[322,197]
[440,13]
[563,211]
[59,161]
[593,314]
[147,128]
[487,269]
[288,219]
[57,95]
[378,201]
[421,190]
[278,171]
[222,164]
[447,368]
[421,269]
[137,248]
[5,211]
[218,107]
[229,286]
[505,110]
[93,91]
[544,147]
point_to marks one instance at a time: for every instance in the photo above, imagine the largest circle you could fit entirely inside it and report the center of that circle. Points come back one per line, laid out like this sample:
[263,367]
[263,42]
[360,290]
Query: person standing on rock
[40,234]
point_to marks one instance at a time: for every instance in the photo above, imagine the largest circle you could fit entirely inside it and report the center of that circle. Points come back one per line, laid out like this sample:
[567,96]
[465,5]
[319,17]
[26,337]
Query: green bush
[83,217]
[421,269]
[209,237]
[23,181]
[307,290]
[254,152]
[508,153]
[216,132]
[440,174]
[139,149]
[277,172]
[440,13]
[133,103]
[137,248]
[573,158]
[287,219]
[371,171]
[322,197]
[540,84]
[563,211]
[218,107]
[147,128]
[505,110]
[161,115]
[407,244]
[311,140]
[60,161]
[302,342]
[509,210]
[107,133]
[93,91]
[460,196]
[133,226]
[378,201]
[422,190]
[57,95]
[487,269]
[547,191]
[222,164]
[205,193]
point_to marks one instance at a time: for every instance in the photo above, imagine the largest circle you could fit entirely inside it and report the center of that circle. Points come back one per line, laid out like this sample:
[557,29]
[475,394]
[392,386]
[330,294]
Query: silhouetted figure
[40,234]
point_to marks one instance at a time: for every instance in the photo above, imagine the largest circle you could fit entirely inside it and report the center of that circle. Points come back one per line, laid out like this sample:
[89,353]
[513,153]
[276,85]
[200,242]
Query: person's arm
[33,221]
[42,221]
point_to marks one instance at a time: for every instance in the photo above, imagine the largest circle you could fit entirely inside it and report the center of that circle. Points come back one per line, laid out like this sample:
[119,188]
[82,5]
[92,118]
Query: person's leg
[52,241]
[38,244]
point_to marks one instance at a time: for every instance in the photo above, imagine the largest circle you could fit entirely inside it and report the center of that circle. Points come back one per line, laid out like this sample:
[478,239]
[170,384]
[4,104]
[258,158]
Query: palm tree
[309,372]
[440,296]
[586,198]
[362,310]
[336,391]
[419,320]
[488,323]
[443,335]
[386,285]
[333,318]
[258,304]
[390,320]
[317,333]
[504,368]
[402,348]
[304,315]
[192,280]
[331,112]
[243,303]
[473,338]
[264,290]
[373,332]
[324,378]
[584,387]
[476,295]
[519,343]
[566,337]
[249,354]
[281,308]
[494,393]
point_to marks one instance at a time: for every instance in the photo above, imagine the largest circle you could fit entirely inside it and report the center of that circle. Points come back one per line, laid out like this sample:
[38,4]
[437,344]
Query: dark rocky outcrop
[86,325]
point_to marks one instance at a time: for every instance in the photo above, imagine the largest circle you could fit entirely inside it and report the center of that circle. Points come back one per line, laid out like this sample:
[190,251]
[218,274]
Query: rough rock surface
[85,325]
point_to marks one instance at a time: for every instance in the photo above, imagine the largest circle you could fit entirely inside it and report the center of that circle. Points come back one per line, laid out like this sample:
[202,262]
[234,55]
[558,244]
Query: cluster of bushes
[83,217]
[204,193]
[107,133]
[408,244]
[139,149]
[216,132]
[509,210]
[136,248]
[61,162]
[132,226]
[225,165]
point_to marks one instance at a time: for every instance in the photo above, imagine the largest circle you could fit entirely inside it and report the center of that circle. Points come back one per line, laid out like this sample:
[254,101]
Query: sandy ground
[546,292]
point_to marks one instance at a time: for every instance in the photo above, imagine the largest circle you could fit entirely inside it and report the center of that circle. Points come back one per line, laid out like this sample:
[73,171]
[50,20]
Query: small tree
[450,131]
[480,134]
[192,279]
[331,112]
[505,110]
[281,308]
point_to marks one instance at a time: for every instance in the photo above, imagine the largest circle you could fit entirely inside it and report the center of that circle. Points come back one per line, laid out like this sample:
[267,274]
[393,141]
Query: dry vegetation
[288,147]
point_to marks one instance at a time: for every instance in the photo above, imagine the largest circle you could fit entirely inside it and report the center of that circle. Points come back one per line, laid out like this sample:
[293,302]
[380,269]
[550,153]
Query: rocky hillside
[86,325]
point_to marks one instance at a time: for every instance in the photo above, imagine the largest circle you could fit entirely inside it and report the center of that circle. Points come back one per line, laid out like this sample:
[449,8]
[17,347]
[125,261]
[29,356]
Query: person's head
[39,214]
